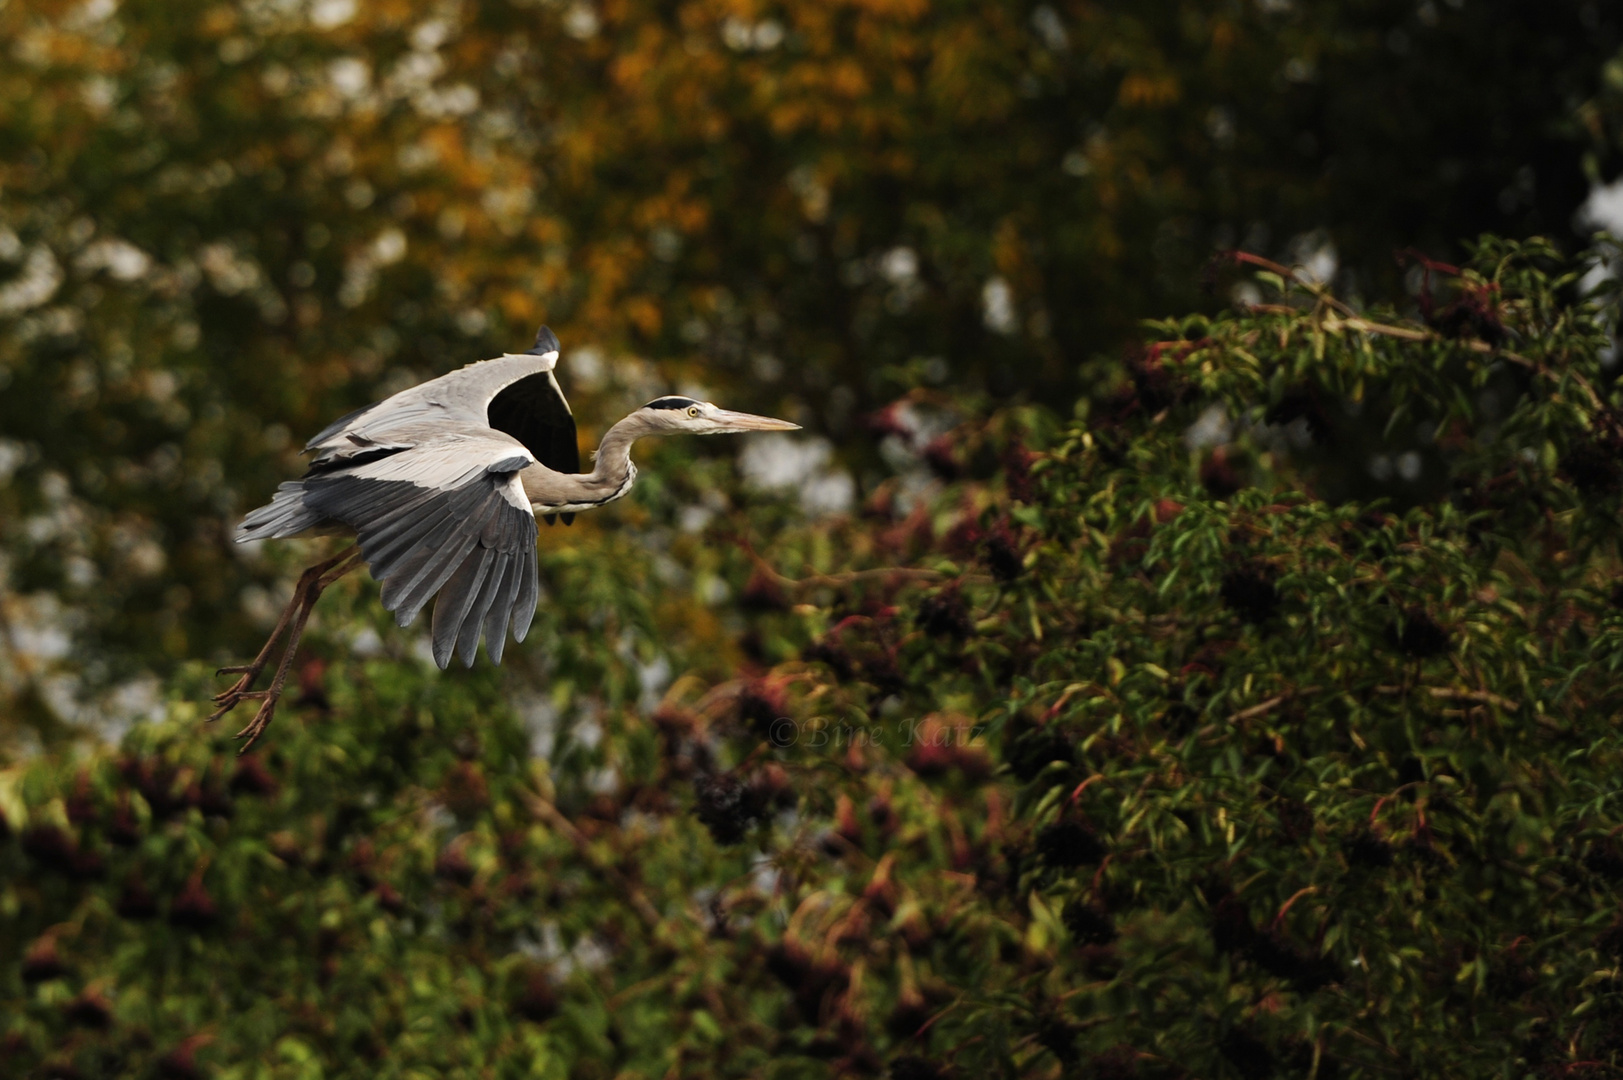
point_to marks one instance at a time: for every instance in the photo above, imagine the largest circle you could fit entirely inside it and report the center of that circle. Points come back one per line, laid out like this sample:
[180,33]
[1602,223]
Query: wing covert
[446,517]
[458,401]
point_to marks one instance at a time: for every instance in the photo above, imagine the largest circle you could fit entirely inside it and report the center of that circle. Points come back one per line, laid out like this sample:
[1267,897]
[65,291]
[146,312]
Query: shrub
[1283,780]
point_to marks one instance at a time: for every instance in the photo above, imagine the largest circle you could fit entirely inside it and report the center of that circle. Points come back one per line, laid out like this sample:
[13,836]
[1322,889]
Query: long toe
[257,725]
[235,694]
[230,700]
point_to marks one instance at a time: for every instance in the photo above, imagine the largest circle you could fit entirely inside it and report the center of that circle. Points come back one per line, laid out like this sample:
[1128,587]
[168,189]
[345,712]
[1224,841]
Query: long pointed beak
[743,421]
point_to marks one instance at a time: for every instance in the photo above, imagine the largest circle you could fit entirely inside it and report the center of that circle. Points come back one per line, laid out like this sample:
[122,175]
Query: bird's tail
[285,515]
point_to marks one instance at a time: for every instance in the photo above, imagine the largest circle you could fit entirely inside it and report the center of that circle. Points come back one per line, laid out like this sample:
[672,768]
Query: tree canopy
[1131,757]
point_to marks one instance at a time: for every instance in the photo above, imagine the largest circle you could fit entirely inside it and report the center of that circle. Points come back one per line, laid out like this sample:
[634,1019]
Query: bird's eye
[693,411]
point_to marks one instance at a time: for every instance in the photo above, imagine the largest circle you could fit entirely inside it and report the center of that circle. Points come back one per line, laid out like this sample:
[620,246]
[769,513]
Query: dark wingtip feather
[545,341]
[529,593]
[458,599]
[501,612]
[467,641]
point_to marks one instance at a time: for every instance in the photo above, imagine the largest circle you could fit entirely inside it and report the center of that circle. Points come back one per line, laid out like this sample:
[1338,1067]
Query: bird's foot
[256,727]
[231,699]
[227,699]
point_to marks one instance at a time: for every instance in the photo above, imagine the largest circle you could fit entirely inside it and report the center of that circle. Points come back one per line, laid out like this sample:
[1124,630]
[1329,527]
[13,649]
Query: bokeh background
[222,224]
[930,232]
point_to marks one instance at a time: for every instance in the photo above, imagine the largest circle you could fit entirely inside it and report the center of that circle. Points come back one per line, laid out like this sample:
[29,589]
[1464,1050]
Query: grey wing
[447,516]
[458,401]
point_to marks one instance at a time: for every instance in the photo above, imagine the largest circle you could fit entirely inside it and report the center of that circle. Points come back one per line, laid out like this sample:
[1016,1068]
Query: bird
[440,486]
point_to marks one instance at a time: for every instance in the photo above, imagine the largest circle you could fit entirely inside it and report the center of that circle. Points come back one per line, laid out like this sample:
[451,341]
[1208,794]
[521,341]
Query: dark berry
[90,1010]
[1087,924]
[1249,590]
[42,961]
[913,1067]
[453,865]
[725,806]
[1003,556]
[252,777]
[193,908]
[1069,843]
[1367,849]
[944,614]
[1420,637]
[763,593]
[1248,1055]
[536,1000]
[1033,751]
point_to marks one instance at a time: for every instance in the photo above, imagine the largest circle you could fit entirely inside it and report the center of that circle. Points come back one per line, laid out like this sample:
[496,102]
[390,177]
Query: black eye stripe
[670,403]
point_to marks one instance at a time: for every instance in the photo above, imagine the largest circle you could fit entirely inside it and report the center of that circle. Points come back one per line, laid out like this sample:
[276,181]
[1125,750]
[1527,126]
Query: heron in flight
[440,485]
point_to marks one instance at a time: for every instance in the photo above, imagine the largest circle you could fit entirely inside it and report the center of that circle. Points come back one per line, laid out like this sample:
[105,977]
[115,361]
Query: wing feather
[467,642]
[458,400]
[456,600]
[529,593]
[448,517]
[501,609]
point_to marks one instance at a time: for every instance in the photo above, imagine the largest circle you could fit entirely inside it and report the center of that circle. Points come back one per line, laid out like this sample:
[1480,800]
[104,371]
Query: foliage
[1123,754]
[224,222]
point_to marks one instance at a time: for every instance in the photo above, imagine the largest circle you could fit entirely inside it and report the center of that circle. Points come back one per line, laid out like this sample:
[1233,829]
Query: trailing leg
[311,583]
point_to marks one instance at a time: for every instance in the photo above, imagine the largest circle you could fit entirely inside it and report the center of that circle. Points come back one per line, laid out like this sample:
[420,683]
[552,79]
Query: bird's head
[674,415]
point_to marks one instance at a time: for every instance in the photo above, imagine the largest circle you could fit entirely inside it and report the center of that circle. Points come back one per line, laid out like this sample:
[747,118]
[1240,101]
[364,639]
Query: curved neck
[611,475]
[612,463]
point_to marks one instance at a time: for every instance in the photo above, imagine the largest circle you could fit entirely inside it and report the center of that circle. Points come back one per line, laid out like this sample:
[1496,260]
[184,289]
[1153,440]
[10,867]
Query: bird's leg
[273,693]
[250,672]
[334,570]
[311,583]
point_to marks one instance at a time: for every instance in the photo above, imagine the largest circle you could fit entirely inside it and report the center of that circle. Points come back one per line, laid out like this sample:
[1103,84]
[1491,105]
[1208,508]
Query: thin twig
[543,808]
[1318,291]
[1083,786]
[1388,797]
[1286,906]
[1383,329]
[1481,697]
[833,580]
[1260,709]
[1406,333]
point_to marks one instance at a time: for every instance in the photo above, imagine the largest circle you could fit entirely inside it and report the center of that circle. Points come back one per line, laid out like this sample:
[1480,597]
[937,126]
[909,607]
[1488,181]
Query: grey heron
[440,485]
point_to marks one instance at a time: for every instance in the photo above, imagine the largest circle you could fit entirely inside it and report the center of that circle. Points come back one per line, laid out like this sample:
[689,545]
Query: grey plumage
[429,487]
[441,484]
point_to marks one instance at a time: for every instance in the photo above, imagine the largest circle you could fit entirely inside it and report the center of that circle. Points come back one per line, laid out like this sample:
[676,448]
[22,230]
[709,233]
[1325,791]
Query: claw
[256,727]
[230,700]
[234,669]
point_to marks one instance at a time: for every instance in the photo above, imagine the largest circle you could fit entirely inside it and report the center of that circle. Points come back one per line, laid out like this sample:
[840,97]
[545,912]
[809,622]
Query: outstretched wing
[515,393]
[449,516]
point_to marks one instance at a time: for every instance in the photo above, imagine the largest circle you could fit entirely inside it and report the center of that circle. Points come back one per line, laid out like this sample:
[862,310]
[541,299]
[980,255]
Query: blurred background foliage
[923,231]
[222,224]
